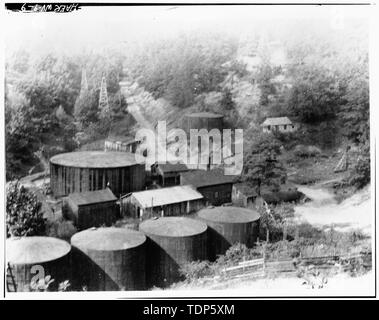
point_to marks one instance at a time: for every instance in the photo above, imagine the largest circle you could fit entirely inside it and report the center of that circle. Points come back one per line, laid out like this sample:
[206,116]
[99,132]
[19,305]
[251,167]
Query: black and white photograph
[162,150]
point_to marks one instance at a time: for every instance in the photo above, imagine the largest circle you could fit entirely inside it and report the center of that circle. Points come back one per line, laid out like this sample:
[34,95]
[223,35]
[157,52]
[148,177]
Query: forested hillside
[316,77]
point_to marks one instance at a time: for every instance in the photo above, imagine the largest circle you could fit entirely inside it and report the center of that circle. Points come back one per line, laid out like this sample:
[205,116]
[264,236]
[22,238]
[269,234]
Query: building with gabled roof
[243,194]
[278,124]
[171,201]
[214,185]
[168,174]
[91,208]
[123,144]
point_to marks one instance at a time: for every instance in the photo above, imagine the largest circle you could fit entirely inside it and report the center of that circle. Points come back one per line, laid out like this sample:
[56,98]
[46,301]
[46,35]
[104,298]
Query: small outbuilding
[243,195]
[279,124]
[167,174]
[123,144]
[172,201]
[214,185]
[91,208]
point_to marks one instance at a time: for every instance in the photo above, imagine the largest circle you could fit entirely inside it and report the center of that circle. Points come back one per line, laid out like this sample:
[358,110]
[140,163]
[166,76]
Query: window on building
[268,128]
[216,194]
[293,126]
[285,127]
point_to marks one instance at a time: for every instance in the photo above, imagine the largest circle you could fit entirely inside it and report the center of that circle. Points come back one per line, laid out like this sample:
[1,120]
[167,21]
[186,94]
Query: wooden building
[167,174]
[243,195]
[91,208]
[172,201]
[122,144]
[280,124]
[213,185]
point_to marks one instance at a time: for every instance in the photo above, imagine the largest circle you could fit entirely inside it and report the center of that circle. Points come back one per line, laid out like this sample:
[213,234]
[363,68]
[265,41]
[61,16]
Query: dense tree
[18,140]
[227,102]
[315,96]
[264,76]
[361,173]
[355,113]
[181,69]
[261,166]
[23,212]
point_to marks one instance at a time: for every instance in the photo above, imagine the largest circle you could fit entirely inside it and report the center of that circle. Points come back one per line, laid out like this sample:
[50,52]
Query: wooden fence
[257,268]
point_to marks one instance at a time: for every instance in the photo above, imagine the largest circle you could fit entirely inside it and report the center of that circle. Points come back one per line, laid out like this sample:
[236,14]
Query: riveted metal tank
[109,259]
[34,258]
[172,242]
[229,225]
[95,170]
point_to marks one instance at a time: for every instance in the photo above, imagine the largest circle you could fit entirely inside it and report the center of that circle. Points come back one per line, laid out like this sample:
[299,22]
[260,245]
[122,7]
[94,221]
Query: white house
[281,124]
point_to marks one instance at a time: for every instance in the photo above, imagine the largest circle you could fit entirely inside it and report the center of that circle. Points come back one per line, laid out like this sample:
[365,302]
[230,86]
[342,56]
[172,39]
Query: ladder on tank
[11,283]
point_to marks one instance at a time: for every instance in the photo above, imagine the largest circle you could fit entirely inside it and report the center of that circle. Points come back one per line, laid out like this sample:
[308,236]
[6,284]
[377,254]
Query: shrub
[360,175]
[62,229]
[272,220]
[195,270]
[306,151]
[23,212]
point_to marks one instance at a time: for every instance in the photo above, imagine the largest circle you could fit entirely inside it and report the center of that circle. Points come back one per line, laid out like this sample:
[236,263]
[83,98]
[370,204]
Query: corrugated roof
[276,121]
[203,178]
[169,167]
[91,197]
[165,196]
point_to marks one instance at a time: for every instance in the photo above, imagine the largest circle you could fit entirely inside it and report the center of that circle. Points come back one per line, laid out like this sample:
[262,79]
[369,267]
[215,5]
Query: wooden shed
[243,195]
[279,124]
[91,208]
[172,201]
[167,174]
[213,185]
[122,144]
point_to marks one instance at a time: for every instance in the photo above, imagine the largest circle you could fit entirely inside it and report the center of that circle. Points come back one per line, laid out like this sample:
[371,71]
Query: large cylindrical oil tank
[109,259]
[33,258]
[172,242]
[204,120]
[229,225]
[96,170]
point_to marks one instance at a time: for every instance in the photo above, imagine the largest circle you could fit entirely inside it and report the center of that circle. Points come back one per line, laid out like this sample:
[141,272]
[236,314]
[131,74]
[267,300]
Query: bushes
[306,151]
[360,176]
[62,229]
[195,270]
[23,212]
[272,221]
